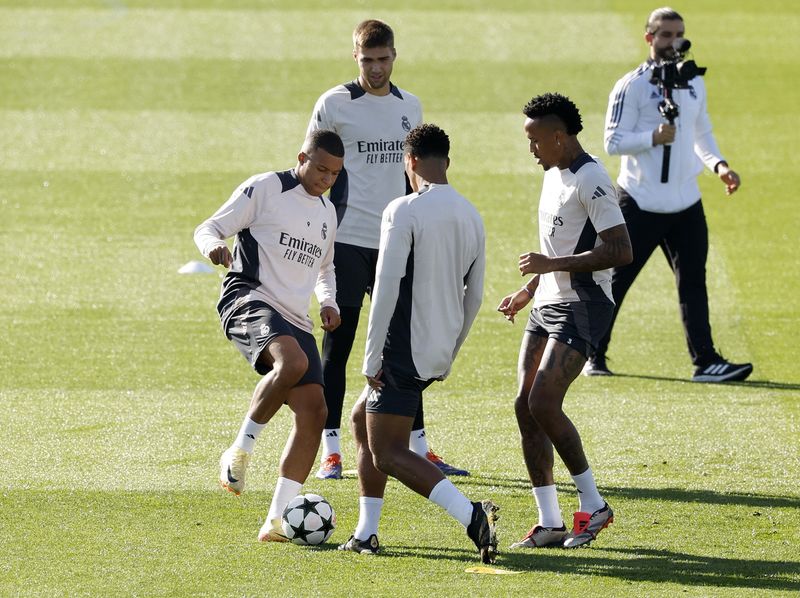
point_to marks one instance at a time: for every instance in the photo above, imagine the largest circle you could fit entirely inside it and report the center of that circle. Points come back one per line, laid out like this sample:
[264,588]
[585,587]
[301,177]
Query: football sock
[248,433]
[330,442]
[589,498]
[285,490]
[369,515]
[418,443]
[447,496]
[547,502]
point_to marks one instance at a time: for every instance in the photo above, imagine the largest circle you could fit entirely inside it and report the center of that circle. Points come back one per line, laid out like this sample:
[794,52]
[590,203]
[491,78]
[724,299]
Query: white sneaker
[542,537]
[232,468]
[272,531]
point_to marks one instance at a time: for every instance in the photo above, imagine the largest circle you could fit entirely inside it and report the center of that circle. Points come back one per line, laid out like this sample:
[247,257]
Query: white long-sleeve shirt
[373,130]
[429,282]
[632,117]
[283,250]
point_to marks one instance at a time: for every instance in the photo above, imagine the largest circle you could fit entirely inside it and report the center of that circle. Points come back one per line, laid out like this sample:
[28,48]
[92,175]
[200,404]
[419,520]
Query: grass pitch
[124,124]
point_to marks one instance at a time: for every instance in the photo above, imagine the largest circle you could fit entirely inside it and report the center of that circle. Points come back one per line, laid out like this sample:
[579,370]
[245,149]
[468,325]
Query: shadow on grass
[768,384]
[485,483]
[699,496]
[661,566]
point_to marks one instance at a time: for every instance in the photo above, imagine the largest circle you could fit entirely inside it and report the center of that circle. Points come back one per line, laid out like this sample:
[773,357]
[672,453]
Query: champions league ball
[308,520]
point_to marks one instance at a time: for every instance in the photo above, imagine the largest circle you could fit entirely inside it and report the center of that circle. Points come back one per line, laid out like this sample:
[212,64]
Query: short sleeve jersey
[373,129]
[576,203]
[283,247]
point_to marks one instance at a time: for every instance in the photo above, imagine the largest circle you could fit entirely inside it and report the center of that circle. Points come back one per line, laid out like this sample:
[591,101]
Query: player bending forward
[283,252]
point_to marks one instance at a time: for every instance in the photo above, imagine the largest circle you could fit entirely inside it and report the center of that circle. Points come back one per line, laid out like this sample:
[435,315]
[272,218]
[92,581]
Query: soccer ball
[308,519]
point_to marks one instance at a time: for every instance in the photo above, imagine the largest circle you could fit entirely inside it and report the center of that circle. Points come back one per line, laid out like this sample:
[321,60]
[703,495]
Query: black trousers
[683,238]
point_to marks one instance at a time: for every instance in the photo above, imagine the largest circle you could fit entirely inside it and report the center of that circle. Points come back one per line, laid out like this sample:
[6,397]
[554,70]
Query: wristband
[527,290]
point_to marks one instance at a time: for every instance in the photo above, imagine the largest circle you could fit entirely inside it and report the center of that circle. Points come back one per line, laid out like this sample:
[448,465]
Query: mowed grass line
[120,392]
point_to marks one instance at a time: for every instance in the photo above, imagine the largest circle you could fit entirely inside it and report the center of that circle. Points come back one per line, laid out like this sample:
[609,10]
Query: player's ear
[649,37]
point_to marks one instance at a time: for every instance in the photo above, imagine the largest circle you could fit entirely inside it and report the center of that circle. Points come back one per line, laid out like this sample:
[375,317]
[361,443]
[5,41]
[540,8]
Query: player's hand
[512,303]
[330,319]
[534,263]
[375,381]
[664,134]
[221,256]
[730,178]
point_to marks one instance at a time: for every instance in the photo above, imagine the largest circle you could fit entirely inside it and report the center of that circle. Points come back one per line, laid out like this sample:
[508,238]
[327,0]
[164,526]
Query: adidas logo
[249,192]
[599,193]
[331,434]
[250,436]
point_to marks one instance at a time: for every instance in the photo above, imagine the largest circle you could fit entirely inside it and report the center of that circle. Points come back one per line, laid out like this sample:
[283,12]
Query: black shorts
[400,395]
[252,325]
[579,324]
[355,273]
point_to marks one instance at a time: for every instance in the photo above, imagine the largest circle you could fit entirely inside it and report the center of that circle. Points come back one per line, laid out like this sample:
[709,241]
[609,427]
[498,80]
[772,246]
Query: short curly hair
[427,141]
[554,104]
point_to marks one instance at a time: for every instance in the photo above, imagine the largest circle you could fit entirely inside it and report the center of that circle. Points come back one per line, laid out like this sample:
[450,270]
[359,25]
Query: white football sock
[248,433]
[285,490]
[369,515]
[589,498]
[418,443]
[547,502]
[451,500]
[331,442]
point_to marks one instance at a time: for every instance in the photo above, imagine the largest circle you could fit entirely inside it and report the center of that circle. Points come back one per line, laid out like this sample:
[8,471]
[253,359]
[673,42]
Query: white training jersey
[373,129]
[428,285]
[576,203]
[632,117]
[283,250]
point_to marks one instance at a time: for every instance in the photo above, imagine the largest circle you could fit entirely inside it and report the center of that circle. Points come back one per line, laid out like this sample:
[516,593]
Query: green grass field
[124,124]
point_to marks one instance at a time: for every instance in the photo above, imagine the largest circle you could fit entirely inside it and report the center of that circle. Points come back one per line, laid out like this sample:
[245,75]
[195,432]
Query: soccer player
[372,116]
[581,236]
[428,288]
[668,215]
[283,252]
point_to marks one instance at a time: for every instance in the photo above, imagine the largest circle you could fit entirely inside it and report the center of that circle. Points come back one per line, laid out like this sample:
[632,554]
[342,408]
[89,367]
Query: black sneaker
[368,546]
[596,366]
[722,371]
[481,529]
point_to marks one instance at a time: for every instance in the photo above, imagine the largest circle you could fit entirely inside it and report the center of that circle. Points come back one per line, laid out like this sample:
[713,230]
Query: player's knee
[384,458]
[292,368]
[543,410]
[521,408]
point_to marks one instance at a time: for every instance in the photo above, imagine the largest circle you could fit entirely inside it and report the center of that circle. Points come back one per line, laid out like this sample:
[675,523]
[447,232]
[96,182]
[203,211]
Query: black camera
[675,72]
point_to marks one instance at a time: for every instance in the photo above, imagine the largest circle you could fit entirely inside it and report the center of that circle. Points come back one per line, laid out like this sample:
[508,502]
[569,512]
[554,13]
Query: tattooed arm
[615,250]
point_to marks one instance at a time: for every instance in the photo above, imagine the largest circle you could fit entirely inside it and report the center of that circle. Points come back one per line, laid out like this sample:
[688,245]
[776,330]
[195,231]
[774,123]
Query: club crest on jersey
[406,124]
[324,231]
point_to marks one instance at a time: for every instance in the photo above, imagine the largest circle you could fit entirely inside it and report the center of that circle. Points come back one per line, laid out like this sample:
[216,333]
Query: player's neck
[572,150]
[375,91]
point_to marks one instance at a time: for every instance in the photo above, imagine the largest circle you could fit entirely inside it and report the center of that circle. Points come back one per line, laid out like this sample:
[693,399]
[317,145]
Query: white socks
[369,515]
[418,443]
[248,433]
[588,496]
[331,442]
[547,502]
[451,500]
[285,490]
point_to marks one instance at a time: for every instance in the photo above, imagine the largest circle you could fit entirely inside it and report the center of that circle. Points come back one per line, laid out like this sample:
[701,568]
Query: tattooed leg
[560,365]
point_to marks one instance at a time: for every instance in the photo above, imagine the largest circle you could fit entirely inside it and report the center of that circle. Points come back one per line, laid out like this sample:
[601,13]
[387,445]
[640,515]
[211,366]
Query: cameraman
[670,214]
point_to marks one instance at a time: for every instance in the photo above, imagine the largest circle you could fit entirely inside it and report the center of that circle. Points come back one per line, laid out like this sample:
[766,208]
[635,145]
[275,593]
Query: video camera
[675,72]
